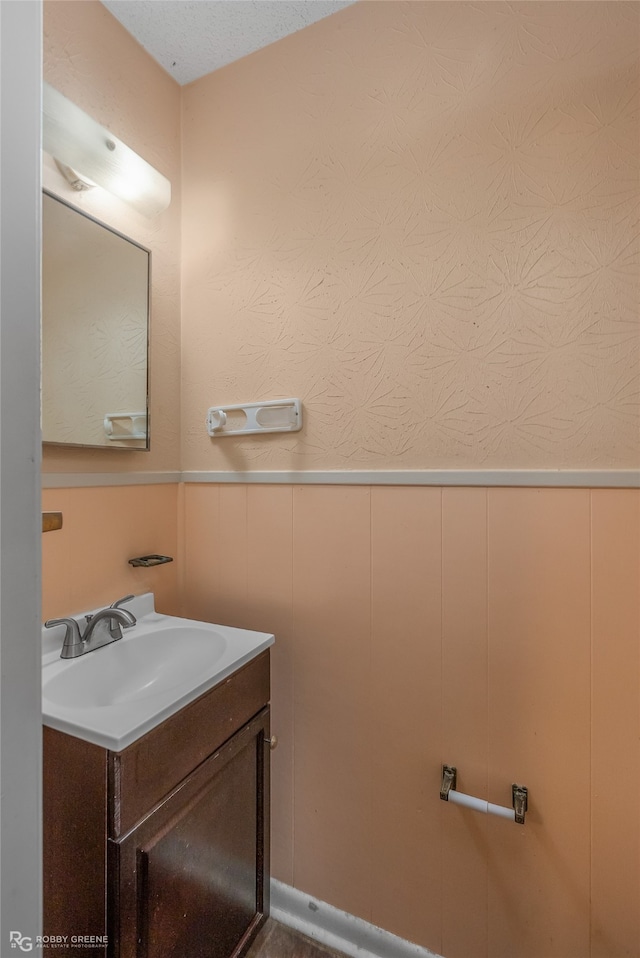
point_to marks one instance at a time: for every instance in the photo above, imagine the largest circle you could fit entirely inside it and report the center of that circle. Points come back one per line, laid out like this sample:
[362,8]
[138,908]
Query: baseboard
[337,929]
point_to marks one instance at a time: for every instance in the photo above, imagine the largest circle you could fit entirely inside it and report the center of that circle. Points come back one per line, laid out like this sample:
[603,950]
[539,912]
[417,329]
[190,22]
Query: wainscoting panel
[493,629]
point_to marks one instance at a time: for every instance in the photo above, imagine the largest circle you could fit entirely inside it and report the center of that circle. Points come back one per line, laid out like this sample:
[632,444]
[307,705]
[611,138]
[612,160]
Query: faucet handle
[72,645]
[118,603]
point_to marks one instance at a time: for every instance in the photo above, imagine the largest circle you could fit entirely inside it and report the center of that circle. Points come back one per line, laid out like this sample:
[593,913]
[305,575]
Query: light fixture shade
[75,139]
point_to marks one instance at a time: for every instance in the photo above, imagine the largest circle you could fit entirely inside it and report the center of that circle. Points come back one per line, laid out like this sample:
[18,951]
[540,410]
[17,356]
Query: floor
[278,941]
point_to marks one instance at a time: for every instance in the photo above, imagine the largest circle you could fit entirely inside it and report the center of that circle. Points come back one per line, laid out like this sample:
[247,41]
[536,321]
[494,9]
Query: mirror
[95,315]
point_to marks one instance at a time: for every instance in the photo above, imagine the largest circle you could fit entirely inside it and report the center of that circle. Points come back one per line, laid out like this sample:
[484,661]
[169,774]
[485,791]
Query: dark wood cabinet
[171,859]
[191,874]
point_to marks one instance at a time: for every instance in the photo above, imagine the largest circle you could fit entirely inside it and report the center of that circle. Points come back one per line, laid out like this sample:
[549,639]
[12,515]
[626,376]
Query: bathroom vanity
[160,850]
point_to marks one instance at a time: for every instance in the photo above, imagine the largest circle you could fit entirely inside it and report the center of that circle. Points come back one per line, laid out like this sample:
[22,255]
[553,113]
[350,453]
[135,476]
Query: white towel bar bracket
[253,418]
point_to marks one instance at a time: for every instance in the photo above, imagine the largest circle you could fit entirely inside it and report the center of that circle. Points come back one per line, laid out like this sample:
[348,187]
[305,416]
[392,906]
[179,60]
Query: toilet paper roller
[519,798]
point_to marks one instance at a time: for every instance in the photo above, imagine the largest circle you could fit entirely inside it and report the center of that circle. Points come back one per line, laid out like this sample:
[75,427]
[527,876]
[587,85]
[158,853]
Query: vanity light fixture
[75,180]
[93,154]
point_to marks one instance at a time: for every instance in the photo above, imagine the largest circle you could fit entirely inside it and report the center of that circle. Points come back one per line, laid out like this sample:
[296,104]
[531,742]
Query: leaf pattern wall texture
[422,219]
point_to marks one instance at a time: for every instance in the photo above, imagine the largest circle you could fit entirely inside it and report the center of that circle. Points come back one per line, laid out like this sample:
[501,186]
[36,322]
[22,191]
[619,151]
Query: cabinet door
[192,878]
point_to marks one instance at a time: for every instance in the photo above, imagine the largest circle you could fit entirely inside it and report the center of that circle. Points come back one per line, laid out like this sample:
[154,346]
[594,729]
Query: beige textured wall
[421,218]
[92,60]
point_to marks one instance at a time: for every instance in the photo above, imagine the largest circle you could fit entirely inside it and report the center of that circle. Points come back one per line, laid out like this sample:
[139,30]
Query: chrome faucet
[102,628]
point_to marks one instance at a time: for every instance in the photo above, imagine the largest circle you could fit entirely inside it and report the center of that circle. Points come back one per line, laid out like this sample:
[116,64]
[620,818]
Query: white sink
[117,693]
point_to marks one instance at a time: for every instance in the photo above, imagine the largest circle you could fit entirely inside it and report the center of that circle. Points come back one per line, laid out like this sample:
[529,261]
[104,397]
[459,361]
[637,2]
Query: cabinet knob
[272,742]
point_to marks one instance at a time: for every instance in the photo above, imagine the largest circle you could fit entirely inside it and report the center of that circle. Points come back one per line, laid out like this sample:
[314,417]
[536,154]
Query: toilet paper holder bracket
[519,793]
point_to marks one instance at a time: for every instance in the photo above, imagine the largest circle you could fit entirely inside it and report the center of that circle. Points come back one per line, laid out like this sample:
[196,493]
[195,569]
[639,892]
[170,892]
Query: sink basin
[117,693]
[149,664]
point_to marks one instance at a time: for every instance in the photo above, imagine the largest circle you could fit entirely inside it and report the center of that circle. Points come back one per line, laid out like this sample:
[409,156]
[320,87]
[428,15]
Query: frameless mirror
[95,316]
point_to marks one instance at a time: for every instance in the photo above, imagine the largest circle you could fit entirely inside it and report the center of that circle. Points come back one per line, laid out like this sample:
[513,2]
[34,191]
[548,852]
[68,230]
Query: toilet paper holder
[519,798]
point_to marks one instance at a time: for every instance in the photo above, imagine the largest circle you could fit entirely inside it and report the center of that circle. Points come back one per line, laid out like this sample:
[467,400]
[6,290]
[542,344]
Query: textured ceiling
[190,38]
